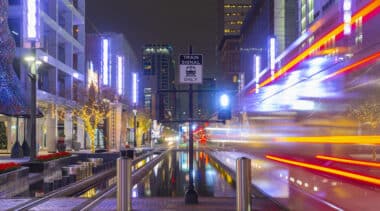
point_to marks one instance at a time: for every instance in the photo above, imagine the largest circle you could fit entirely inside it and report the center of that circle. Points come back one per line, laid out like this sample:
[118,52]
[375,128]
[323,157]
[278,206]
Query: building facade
[158,74]
[111,56]
[229,56]
[267,21]
[111,62]
[57,29]
[234,13]
[311,11]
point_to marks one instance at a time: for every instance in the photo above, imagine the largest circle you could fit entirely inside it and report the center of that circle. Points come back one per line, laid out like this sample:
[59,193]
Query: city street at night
[190,105]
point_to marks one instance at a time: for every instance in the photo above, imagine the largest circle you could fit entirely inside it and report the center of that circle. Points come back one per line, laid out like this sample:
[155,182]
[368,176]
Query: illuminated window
[235,79]
[303,11]
[303,25]
[311,40]
[311,10]
[311,16]
[147,98]
[359,31]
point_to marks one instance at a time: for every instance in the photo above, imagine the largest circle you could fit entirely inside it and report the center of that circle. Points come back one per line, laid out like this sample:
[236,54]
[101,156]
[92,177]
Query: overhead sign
[190,69]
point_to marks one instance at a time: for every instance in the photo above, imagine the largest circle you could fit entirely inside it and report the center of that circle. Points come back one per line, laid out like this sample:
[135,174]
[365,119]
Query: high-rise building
[111,63]
[229,56]
[59,39]
[158,74]
[268,29]
[206,101]
[311,11]
[234,15]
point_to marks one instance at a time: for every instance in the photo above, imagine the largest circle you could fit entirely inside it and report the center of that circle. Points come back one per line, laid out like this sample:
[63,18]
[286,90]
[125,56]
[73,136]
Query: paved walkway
[6,204]
[178,203]
[144,204]
[59,204]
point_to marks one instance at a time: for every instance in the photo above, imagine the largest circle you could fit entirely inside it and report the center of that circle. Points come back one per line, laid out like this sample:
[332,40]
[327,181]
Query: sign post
[190,72]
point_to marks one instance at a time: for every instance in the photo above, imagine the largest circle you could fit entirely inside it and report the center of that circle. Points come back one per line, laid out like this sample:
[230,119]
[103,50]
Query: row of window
[231,31]
[234,14]
[234,22]
[237,6]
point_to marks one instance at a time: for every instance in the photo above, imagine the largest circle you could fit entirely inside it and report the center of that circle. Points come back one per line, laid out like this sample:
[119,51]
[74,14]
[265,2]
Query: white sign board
[190,69]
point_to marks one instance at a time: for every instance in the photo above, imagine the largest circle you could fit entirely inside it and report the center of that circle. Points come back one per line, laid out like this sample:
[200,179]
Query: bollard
[124,180]
[243,184]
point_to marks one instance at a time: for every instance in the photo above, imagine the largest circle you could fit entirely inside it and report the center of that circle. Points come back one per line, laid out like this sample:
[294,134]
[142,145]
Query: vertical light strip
[257,72]
[105,61]
[347,17]
[272,55]
[89,74]
[32,19]
[120,79]
[134,88]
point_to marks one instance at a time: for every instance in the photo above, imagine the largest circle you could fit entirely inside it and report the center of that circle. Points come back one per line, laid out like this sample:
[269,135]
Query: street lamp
[33,63]
[134,101]
[31,25]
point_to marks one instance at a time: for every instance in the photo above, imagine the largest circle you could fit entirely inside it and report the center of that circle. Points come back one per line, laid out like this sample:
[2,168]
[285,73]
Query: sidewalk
[178,203]
[158,203]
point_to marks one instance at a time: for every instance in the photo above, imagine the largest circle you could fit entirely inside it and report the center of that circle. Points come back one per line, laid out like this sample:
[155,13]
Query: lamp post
[134,101]
[33,63]
[134,126]
[31,27]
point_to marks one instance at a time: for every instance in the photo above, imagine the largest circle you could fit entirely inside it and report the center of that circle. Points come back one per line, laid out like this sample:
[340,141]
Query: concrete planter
[47,167]
[14,182]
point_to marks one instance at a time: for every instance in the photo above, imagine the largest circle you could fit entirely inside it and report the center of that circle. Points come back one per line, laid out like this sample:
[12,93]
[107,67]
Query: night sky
[176,22]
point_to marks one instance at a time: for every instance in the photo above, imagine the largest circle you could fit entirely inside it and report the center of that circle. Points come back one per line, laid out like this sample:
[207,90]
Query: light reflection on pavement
[301,189]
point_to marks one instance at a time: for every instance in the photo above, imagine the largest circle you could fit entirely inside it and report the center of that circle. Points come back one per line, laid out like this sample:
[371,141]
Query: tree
[93,112]
[367,114]
[144,123]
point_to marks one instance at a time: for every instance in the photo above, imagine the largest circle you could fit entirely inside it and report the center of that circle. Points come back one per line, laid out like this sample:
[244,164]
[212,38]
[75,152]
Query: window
[75,31]
[61,52]
[359,31]
[15,27]
[147,98]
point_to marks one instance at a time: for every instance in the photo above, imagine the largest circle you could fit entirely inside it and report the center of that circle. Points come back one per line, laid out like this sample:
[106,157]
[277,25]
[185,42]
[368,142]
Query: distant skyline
[174,22]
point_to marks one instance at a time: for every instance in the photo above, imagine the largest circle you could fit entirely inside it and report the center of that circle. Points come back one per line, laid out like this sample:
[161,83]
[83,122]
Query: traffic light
[224,108]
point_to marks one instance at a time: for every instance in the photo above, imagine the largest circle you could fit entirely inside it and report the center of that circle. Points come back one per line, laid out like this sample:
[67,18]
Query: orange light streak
[349,161]
[354,176]
[339,29]
[332,139]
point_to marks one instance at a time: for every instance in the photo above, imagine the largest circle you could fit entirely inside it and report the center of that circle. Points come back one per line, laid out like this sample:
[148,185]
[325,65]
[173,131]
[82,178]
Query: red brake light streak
[349,161]
[354,176]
